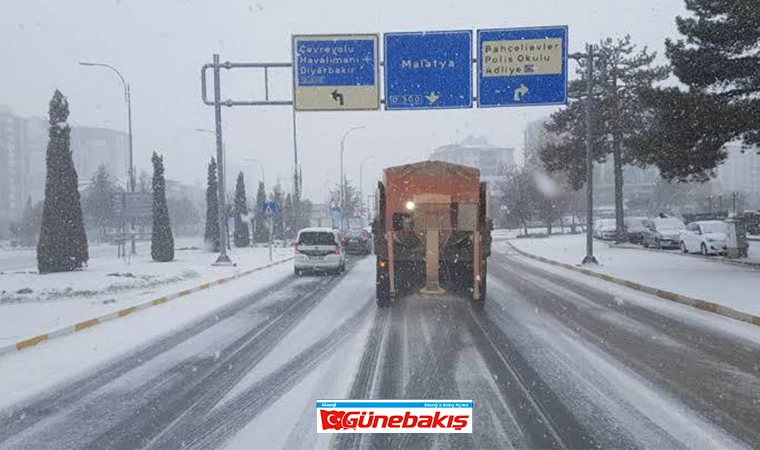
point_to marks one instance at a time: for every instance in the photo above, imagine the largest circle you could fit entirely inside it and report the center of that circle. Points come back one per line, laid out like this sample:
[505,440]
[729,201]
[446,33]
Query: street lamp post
[361,186]
[342,178]
[128,100]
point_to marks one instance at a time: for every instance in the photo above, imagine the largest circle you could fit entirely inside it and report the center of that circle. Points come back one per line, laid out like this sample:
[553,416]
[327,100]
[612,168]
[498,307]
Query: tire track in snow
[231,417]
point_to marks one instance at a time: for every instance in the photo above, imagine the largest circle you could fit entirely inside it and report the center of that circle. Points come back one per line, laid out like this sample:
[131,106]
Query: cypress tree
[162,241]
[262,233]
[289,215]
[278,224]
[211,237]
[62,245]
[242,238]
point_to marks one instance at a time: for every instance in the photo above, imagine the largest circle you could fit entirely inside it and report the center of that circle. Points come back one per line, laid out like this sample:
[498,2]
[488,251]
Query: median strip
[700,304]
[86,324]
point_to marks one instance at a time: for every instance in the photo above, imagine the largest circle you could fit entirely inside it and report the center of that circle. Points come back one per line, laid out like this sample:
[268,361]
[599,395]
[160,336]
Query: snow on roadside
[725,284]
[29,372]
[31,304]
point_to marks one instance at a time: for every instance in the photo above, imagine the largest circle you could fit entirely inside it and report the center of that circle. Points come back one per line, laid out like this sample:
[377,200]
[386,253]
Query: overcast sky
[160,45]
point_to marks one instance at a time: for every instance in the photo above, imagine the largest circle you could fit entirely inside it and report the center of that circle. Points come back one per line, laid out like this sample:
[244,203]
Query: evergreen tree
[63,241]
[98,200]
[261,233]
[242,236]
[162,241]
[719,62]
[278,226]
[211,236]
[289,217]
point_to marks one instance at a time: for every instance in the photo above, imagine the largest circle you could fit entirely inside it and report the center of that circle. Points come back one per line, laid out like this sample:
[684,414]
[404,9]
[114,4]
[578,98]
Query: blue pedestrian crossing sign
[269,208]
[522,66]
[428,70]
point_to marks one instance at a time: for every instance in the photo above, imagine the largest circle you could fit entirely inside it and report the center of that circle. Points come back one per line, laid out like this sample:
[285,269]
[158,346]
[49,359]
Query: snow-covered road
[552,360]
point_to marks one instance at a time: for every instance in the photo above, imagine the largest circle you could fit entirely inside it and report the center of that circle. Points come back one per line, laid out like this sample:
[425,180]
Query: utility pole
[222,259]
[589,58]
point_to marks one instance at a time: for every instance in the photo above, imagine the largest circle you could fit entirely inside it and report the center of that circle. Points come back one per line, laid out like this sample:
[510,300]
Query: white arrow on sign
[520,92]
[432,97]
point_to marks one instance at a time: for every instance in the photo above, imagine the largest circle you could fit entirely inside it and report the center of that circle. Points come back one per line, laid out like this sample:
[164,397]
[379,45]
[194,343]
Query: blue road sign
[522,67]
[336,63]
[428,70]
[335,72]
[268,208]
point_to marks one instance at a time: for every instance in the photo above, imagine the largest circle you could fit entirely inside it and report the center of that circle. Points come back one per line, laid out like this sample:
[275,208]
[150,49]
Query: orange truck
[432,231]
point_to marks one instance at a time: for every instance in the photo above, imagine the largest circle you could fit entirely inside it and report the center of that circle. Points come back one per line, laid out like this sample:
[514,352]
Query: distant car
[663,232]
[706,237]
[319,250]
[357,241]
[635,229]
[605,229]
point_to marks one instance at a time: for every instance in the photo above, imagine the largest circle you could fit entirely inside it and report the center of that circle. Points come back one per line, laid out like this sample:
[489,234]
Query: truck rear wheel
[383,288]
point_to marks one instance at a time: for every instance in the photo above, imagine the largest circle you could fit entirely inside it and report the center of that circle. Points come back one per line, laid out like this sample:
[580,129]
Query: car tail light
[337,250]
[296,249]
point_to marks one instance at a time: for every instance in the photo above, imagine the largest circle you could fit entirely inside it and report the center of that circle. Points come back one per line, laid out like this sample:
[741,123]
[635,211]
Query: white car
[319,250]
[706,237]
[605,229]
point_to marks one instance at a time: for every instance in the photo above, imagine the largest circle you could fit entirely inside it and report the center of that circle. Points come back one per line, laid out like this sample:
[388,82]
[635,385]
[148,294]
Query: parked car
[706,237]
[663,232]
[635,229]
[605,229]
[752,222]
[357,241]
[319,250]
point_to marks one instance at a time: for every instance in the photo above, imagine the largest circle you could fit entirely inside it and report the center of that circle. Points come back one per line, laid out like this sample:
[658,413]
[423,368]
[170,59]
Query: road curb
[703,305]
[86,324]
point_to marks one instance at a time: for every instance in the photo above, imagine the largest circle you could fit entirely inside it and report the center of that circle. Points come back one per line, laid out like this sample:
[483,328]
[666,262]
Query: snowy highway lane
[551,361]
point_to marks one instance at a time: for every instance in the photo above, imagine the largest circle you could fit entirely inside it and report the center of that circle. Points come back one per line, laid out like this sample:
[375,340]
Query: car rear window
[316,238]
